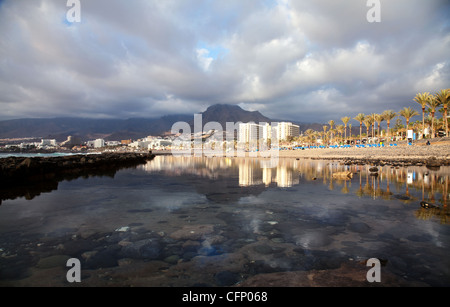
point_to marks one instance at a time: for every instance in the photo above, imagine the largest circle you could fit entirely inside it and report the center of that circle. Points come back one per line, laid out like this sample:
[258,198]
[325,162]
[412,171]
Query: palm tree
[325,127]
[433,103]
[310,133]
[378,118]
[408,113]
[373,123]
[443,96]
[350,130]
[422,99]
[368,121]
[360,117]
[388,115]
[345,120]
[331,123]
[340,130]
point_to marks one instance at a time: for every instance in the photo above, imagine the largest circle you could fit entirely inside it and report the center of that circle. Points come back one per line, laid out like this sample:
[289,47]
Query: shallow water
[222,221]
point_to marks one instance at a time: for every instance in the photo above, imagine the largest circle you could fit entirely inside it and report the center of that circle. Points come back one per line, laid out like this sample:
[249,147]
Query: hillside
[132,128]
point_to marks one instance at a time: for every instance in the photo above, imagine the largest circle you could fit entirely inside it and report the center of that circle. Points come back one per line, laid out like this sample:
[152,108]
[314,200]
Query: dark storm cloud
[300,60]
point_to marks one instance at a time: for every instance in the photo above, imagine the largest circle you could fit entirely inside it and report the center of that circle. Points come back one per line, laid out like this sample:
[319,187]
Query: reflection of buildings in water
[251,173]
[422,182]
[285,178]
[267,176]
[246,176]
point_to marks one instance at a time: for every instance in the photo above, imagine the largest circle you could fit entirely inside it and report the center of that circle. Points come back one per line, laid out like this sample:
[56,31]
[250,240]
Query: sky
[304,61]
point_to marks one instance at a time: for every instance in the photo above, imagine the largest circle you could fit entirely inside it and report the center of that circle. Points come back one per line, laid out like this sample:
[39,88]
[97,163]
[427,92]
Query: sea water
[186,221]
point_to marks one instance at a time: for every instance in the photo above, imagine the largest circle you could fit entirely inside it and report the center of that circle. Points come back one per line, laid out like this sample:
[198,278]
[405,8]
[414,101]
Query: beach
[418,153]
[437,153]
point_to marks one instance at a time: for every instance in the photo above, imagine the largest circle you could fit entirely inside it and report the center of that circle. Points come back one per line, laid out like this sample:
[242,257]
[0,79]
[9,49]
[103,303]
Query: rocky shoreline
[14,169]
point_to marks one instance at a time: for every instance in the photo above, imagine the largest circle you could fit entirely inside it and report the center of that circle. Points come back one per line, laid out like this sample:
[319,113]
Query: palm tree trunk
[423,122]
[345,133]
[432,125]
[445,120]
[388,129]
[360,132]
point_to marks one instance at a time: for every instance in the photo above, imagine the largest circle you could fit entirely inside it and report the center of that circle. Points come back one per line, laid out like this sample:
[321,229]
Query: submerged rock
[359,227]
[53,261]
[143,249]
[227,278]
[193,232]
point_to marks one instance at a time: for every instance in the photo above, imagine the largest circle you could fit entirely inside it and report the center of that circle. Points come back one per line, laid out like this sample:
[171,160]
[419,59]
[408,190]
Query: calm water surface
[221,222]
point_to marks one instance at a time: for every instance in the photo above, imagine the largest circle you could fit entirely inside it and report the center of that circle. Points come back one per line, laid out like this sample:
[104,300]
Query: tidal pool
[186,221]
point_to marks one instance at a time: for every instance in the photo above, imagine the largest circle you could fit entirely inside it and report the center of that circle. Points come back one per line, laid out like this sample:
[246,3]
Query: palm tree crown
[422,99]
[345,120]
[408,113]
[388,115]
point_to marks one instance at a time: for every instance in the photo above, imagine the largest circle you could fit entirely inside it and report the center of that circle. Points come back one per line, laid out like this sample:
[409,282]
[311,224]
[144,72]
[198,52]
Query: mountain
[132,128]
[223,113]
[87,129]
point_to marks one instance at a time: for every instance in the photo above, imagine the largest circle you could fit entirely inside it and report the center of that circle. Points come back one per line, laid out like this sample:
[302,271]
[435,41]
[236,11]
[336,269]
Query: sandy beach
[435,154]
[438,153]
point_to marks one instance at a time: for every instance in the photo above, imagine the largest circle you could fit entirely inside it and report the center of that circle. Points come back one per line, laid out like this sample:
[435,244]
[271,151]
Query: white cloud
[203,59]
[286,58]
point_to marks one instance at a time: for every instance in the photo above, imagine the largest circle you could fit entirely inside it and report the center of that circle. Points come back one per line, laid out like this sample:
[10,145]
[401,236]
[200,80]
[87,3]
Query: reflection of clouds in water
[434,234]
[313,239]
[176,200]
[255,225]
[410,184]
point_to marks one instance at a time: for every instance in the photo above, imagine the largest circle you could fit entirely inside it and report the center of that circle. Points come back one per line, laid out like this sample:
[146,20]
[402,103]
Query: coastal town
[251,136]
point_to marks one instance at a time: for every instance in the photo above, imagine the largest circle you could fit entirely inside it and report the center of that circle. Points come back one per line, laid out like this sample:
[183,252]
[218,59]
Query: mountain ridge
[132,128]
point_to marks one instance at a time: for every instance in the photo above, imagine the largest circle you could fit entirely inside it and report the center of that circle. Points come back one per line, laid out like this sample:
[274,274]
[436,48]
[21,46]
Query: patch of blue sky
[214,51]
[270,3]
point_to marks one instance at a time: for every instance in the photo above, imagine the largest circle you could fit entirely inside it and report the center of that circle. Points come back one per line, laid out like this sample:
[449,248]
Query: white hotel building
[251,133]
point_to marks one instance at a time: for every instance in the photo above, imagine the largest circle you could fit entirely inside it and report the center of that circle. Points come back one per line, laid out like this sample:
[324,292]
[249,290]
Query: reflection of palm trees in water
[411,184]
[387,194]
[345,189]
[360,192]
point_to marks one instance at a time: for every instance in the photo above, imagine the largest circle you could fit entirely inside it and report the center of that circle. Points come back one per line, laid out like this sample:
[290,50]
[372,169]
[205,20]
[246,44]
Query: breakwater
[29,176]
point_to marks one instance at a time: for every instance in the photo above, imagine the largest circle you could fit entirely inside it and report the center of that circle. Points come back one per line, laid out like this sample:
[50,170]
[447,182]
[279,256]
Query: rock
[433,163]
[427,205]
[227,278]
[215,239]
[343,175]
[172,259]
[88,255]
[265,249]
[373,169]
[190,245]
[193,232]
[105,258]
[142,249]
[27,163]
[123,229]
[277,240]
[53,261]
[359,227]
